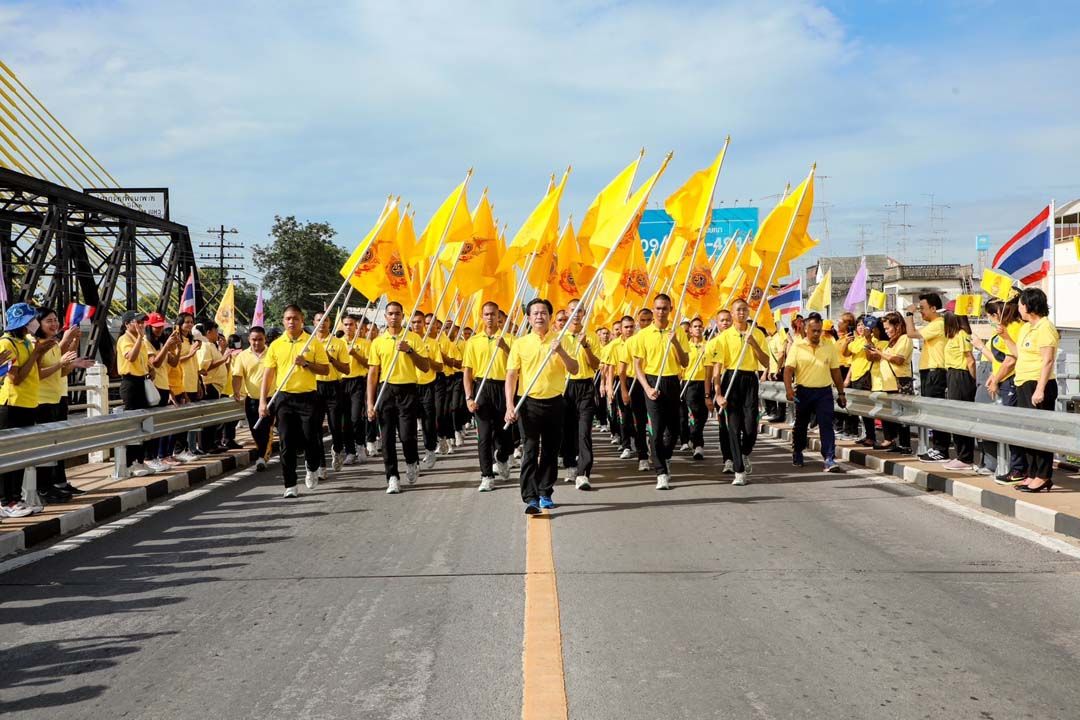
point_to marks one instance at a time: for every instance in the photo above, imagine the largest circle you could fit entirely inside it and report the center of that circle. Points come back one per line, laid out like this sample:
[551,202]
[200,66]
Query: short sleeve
[373,355]
[790,361]
[270,361]
[834,359]
[513,362]
[1046,336]
[933,330]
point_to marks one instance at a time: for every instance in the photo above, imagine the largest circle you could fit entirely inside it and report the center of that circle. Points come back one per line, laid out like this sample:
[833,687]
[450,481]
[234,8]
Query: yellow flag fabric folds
[877,300]
[773,230]
[996,284]
[225,316]
[822,294]
[970,305]
[702,292]
[607,202]
[451,220]
[365,266]
[478,258]
[564,287]
[540,230]
[690,207]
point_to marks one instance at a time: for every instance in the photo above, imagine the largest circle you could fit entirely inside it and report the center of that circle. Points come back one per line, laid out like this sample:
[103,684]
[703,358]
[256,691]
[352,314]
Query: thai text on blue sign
[726,222]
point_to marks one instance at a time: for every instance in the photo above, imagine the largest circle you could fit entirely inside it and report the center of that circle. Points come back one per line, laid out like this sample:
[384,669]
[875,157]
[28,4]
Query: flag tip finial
[813,167]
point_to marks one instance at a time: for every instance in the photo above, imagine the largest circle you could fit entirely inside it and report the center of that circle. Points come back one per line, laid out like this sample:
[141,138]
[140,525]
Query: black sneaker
[933,456]
[532,508]
[53,496]
[71,489]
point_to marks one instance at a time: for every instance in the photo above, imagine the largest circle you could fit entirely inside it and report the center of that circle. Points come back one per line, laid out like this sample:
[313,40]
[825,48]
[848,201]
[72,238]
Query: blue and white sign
[726,222]
[982,243]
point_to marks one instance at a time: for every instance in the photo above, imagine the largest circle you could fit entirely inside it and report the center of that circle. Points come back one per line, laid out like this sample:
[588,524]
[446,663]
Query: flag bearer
[737,393]
[425,389]
[577,445]
[488,404]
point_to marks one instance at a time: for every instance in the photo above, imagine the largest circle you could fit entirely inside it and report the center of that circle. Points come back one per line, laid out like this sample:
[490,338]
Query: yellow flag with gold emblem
[996,284]
[225,316]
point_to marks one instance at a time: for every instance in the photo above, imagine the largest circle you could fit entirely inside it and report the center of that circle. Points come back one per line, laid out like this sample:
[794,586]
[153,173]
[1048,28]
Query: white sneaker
[748,467]
[642,465]
[260,464]
[157,466]
[311,479]
[486,484]
[614,439]
[139,470]
[740,479]
[184,456]
[503,468]
[412,471]
[571,473]
[517,453]
[17,510]
[379,444]
[459,439]
[370,449]
[428,461]
[626,454]
[291,492]
[699,453]
[392,487]
[350,459]
[684,446]
[321,472]
[582,482]
[663,482]
[729,467]
[337,460]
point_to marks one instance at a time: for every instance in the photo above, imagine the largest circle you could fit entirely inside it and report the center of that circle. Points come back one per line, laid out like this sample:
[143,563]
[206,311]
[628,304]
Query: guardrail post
[924,439]
[29,487]
[120,469]
[97,401]
[1004,461]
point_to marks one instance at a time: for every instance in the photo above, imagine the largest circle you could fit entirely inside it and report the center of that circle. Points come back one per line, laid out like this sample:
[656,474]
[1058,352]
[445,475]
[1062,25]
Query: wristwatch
[910,315]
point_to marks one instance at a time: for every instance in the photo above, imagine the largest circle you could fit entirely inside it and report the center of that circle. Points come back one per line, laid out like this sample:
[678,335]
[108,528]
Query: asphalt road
[802,595]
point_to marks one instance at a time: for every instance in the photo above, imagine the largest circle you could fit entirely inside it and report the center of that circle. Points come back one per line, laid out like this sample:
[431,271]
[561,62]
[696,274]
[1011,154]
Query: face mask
[32,326]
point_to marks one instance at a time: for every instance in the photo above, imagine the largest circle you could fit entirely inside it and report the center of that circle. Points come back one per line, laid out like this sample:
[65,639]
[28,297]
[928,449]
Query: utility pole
[936,241]
[861,242]
[221,257]
[901,243]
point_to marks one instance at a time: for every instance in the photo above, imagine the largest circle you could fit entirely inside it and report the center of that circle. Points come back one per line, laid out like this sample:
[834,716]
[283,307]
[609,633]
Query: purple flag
[857,293]
[257,316]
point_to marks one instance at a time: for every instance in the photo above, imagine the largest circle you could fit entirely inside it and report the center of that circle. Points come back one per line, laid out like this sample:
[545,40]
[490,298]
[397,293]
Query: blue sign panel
[726,222]
[982,243]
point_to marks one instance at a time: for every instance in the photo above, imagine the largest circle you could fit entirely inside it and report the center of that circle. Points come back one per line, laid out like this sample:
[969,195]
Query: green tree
[300,266]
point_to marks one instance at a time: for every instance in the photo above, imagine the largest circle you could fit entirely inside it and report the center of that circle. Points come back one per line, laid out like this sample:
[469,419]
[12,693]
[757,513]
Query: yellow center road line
[543,681]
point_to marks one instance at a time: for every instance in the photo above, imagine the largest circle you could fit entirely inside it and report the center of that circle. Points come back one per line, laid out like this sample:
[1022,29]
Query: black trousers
[577,445]
[208,439]
[133,394]
[459,413]
[397,417]
[260,434]
[1040,464]
[641,421]
[300,430]
[426,393]
[627,431]
[55,474]
[334,409]
[601,403]
[742,412]
[1017,455]
[12,417]
[541,423]
[898,432]
[961,386]
[493,442]
[934,383]
[444,424]
[684,421]
[724,437]
[694,400]
[354,415]
[851,422]
[663,421]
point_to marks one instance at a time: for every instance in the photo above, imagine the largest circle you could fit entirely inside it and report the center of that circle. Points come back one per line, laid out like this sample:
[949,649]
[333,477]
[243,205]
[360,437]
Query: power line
[221,257]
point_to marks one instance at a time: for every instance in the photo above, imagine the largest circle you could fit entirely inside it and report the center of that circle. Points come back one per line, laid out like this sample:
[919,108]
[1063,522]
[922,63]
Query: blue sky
[320,110]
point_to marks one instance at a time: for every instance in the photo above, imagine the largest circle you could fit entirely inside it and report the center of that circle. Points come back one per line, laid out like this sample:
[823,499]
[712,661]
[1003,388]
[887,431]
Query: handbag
[153,396]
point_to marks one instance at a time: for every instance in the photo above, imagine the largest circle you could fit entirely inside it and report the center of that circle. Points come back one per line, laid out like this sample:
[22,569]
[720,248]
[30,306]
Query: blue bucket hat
[18,315]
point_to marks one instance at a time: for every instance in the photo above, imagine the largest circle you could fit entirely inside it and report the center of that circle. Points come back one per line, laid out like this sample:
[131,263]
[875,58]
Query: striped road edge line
[1036,515]
[543,679]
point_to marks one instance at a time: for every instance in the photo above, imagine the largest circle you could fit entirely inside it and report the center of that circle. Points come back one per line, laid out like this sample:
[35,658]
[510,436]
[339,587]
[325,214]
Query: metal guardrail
[1055,432]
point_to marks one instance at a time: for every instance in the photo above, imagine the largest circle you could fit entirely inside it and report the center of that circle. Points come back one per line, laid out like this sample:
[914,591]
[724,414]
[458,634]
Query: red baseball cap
[155,320]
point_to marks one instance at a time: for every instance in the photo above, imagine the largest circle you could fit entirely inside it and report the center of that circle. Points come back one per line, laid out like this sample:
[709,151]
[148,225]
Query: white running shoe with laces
[428,460]
[291,492]
[486,484]
[412,471]
[663,482]
[740,479]
[392,487]
[642,465]
[311,479]
[626,454]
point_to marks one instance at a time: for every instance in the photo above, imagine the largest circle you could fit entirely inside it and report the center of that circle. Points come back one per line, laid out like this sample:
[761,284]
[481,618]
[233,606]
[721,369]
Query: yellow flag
[565,286]
[702,294]
[970,305]
[451,220]
[411,249]
[369,270]
[540,230]
[822,294]
[876,300]
[606,203]
[996,285]
[619,230]
[1076,244]
[478,258]
[798,204]
[690,207]
[225,316]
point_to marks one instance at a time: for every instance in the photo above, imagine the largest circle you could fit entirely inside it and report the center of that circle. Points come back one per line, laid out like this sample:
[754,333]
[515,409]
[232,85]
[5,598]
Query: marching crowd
[537,395]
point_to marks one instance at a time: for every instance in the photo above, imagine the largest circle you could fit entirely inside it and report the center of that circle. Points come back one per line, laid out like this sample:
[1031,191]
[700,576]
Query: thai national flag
[4,368]
[788,299]
[1028,255]
[187,300]
[76,313]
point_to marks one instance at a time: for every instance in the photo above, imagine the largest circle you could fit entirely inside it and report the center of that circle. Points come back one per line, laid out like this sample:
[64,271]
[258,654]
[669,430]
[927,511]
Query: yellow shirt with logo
[698,366]
[1029,343]
[932,356]
[957,351]
[207,355]
[904,348]
[335,348]
[54,387]
[250,369]
[382,352]
[360,346]
[999,347]
[282,354]
[139,365]
[477,355]
[430,349]
[526,355]
[882,377]
[586,371]
[729,344]
[813,365]
[860,363]
[25,394]
[648,346]
[190,367]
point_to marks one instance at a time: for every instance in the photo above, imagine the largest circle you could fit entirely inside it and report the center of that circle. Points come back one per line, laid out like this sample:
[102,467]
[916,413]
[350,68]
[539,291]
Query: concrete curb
[1036,515]
[107,506]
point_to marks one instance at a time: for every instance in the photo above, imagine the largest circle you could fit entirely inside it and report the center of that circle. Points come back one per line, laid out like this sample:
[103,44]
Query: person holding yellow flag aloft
[543,409]
[657,372]
[577,445]
[425,389]
[488,404]
[737,392]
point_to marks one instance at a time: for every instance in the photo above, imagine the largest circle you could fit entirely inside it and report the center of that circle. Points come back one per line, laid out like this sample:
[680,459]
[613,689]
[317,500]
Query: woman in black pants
[1035,350]
[894,360]
[959,382]
[133,365]
[867,334]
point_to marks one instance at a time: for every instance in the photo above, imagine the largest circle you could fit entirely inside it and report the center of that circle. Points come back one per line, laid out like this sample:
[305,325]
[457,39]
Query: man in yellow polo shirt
[633,394]
[577,445]
[659,353]
[484,368]
[394,360]
[425,389]
[354,389]
[814,367]
[329,389]
[294,371]
[933,377]
[694,396]
[248,371]
[536,369]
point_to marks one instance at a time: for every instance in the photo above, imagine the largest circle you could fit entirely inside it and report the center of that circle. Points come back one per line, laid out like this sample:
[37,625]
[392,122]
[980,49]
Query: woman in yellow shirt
[868,332]
[959,382]
[894,361]
[693,403]
[1035,351]
[1002,383]
[133,366]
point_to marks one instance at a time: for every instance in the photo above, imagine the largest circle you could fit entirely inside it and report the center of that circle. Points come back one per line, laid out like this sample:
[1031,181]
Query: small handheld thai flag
[76,313]
[787,299]
[1027,256]
[187,299]
[4,368]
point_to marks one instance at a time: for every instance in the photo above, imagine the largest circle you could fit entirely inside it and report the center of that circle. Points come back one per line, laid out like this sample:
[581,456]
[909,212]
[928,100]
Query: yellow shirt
[209,353]
[54,387]
[429,349]
[25,394]
[282,354]
[1031,340]
[998,347]
[813,365]
[477,355]
[335,348]
[932,356]
[139,365]
[617,353]
[526,354]
[729,345]
[382,352]
[447,350]
[957,351]
[190,368]
[360,347]
[648,345]
[903,347]
[860,364]
[882,377]
[698,366]
[161,372]
[586,371]
[777,345]
[250,369]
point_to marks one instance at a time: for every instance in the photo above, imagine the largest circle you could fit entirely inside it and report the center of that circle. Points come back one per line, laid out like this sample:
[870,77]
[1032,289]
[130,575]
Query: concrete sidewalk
[1057,510]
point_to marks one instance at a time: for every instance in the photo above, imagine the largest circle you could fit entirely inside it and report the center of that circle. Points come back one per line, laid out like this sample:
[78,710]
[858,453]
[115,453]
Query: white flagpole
[1053,266]
[519,292]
